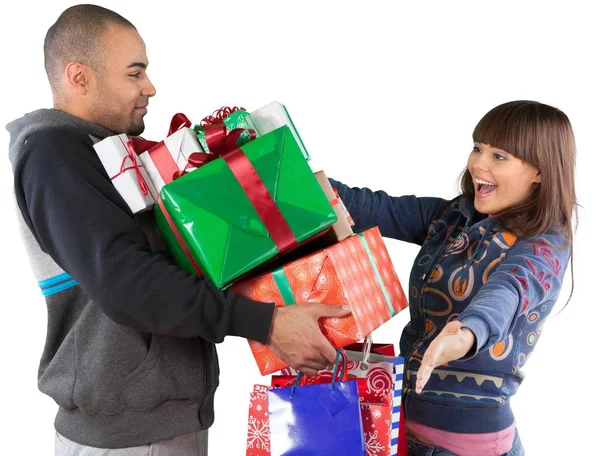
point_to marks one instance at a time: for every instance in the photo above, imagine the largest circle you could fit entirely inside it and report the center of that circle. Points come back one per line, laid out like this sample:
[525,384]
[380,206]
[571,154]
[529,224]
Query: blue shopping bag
[317,420]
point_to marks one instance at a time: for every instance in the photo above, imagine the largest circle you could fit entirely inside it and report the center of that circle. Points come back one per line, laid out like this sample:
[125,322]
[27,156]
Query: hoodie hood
[44,119]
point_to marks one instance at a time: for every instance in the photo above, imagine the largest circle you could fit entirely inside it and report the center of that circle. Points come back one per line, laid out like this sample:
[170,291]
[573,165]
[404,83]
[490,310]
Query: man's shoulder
[55,145]
[52,136]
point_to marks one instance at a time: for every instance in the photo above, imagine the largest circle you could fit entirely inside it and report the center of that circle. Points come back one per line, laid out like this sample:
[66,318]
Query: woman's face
[501,180]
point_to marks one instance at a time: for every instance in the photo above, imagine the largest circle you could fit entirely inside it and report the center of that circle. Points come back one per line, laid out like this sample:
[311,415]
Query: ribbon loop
[159,153]
[178,122]
[139,145]
[195,160]
[220,142]
[217,116]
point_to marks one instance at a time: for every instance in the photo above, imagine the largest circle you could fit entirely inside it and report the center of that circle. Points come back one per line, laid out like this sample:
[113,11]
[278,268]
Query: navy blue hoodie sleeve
[531,275]
[81,221]
[406,218]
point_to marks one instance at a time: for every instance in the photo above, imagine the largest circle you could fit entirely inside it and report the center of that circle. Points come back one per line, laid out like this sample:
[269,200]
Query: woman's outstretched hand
[451,344]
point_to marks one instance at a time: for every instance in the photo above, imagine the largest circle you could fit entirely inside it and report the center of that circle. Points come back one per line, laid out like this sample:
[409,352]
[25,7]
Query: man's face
[120,91]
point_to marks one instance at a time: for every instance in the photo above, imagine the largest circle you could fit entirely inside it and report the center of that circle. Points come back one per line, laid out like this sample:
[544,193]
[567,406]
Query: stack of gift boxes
[238,203]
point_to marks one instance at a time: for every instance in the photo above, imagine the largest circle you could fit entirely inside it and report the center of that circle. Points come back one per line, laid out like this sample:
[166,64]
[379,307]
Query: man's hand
[452,343]
[296,337]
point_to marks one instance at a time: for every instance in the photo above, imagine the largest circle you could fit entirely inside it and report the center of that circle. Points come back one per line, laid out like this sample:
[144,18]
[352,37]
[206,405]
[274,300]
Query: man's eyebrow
[141,65]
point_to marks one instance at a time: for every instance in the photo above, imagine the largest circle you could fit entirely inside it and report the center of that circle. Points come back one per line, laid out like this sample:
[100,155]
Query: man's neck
[73,109]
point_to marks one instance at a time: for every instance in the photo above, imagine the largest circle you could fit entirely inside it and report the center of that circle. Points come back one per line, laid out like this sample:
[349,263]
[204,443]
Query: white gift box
[176,150]
[126,173]
[273,116]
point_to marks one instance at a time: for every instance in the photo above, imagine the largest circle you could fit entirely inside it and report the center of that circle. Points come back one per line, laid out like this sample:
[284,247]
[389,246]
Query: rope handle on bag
[367,344]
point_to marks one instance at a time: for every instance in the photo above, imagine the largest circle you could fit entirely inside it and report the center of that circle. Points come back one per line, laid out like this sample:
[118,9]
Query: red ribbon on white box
[135,166]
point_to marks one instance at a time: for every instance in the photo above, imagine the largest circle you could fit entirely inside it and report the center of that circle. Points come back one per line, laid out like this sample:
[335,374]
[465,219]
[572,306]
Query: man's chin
[136,130]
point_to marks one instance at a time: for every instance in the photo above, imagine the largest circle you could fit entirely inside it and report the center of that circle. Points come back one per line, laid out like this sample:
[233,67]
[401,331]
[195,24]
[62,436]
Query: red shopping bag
[257,440]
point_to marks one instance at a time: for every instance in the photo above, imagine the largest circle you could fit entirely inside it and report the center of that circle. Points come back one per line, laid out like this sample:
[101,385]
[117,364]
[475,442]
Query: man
[130,356]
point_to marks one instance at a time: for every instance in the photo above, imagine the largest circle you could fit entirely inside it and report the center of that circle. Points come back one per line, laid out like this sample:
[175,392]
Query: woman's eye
[499,157]
[476,149]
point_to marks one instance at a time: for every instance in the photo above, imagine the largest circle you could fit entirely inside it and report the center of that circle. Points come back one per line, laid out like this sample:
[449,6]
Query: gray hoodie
[129,355]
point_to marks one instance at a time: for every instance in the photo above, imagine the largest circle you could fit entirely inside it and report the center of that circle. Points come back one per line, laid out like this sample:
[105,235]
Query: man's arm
[82,222]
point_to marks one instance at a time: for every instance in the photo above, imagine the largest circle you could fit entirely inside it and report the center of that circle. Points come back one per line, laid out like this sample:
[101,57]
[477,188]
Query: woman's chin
[483,207]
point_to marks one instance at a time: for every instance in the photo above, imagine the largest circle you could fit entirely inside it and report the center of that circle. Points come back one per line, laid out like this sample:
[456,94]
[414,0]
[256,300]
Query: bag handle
[366,352]
[367,348]
[342,374]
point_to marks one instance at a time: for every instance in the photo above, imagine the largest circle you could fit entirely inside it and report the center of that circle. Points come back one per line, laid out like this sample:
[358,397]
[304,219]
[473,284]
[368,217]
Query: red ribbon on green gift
[160,155]
[224,145]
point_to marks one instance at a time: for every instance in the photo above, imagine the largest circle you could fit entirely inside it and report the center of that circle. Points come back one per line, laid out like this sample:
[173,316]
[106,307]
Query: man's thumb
[331,310]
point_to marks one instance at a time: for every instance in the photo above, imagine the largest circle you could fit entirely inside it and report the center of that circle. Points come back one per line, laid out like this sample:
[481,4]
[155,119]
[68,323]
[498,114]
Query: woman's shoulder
[554,238]
[552,246]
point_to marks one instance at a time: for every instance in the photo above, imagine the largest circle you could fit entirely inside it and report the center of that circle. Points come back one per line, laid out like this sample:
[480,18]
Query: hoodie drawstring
[442,245]
[463,273]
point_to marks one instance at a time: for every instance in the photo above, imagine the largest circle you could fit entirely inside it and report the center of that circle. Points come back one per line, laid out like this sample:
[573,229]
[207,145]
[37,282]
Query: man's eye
[136,75]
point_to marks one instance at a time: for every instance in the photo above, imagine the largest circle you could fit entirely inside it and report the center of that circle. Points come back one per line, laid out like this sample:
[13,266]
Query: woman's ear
[538,178]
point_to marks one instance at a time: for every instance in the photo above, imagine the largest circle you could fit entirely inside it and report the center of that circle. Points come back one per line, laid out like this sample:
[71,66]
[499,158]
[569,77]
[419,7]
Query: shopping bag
[321,419]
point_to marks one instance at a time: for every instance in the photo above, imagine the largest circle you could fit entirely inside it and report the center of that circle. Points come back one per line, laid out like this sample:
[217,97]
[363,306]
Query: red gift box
[357,271]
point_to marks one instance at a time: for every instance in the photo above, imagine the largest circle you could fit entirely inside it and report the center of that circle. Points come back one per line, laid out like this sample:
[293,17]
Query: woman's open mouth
[483,188]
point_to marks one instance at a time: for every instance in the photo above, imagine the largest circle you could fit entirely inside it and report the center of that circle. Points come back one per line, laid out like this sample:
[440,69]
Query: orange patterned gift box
[357,271]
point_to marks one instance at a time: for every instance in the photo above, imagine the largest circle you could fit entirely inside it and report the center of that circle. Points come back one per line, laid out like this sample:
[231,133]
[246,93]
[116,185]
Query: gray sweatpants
[195,444]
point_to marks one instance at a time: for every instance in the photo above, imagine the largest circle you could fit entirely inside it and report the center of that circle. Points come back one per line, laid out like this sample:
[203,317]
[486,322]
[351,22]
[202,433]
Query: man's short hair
[76,36]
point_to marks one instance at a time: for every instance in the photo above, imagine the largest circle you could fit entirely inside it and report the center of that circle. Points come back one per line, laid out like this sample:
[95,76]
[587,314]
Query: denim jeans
[416,448]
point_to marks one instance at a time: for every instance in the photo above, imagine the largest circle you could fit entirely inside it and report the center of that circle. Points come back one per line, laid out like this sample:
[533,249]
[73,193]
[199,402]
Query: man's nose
[148,90]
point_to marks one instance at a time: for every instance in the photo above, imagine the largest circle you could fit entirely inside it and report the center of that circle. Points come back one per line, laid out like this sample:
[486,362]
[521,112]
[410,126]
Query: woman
[487,276]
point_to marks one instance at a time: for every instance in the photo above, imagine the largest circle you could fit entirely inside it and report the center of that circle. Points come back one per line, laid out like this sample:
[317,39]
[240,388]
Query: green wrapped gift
[237,119]
[211,225]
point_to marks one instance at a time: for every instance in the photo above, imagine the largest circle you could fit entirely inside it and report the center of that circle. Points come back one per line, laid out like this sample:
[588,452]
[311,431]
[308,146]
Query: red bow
[220,114]
[160,155]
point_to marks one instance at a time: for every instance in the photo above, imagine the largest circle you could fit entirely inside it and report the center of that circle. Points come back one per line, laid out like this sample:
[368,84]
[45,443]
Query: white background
[384,95]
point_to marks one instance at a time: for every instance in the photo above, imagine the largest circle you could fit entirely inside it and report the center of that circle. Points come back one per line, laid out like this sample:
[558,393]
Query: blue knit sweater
[499,286]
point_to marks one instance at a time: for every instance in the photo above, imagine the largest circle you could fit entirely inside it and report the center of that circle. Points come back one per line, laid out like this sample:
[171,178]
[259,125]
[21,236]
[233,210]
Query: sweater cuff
[252,319]
[480,329]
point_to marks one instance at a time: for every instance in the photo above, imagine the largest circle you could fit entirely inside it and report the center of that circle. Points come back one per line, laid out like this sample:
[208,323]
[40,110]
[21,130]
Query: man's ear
[77,78]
